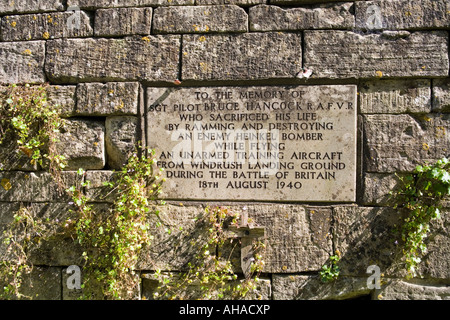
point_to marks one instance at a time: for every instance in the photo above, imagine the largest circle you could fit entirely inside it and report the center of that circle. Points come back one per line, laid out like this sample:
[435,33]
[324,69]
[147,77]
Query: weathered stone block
[294,2]
[402,15]
[299,287]
[200,19]
[112,98]
[43,283]
[345,54]
[377,187]
[364,236]
[237,2]
[395,96]
[94,4]
[44,26]
[22,62]
[123,21]
[441,95]
[34,186]
[153,58]
[297,238]
[398,143]
[96,191]
[63,97]
[121,137]
[193,292]
[25,6]
[396,289]
[248,56]
[82,142]
[325,16]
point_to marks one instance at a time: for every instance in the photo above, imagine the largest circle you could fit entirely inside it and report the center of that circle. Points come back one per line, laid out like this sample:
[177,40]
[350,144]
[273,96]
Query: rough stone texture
[325,16]
[94,4]
[293,233]
[34,187]
[363,236]
[441,95]
[96,191]
[377,187]
[436,263]
[398,143]
[295,2]
[43,283]
[249,56]
[22,62]
[299,287]
[402,14]
[64,97]
[82,142]
[237,2]
[123,21]
[44,26]
[193,292]
[11,157]
[152,58]
[175,251]
[121,137]
[390,54]
[200,19]
[396,289]
[112,98]
[25,6]
[395,96]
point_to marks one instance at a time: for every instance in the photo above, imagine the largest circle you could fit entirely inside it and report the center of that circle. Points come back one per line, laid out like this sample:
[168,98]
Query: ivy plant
[420,198]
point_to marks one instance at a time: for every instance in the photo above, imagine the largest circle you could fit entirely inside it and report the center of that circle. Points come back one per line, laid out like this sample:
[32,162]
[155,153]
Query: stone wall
[101,58]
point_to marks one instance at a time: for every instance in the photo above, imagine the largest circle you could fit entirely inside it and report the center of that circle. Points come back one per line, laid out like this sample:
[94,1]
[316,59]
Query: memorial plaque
[271,143]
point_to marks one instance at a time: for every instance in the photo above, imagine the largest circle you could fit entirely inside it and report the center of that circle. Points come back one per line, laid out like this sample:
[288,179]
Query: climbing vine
[211,275]
[419,198]
[112,239]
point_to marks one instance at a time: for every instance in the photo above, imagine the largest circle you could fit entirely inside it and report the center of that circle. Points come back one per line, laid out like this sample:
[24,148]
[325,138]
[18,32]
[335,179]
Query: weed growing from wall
[420,200]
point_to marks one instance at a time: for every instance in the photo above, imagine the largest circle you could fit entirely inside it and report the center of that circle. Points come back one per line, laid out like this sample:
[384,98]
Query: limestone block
[43,283]
[121,137]
[297,239]
[24,6]
[396,289]
[237,2]
[94,4]
[248,56]
[398,143]
[345,54]
[395,96]
[377,187]
[441,95]
[123,21]
[22,62]
[96,191]
[325,16]
[34,186]
[200,19]
[82,142]
[153,58]
[193,292]
[300,287]
[402,14]
[364,237]
[44,26]
[112,98]
[63,97]
[295,2]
